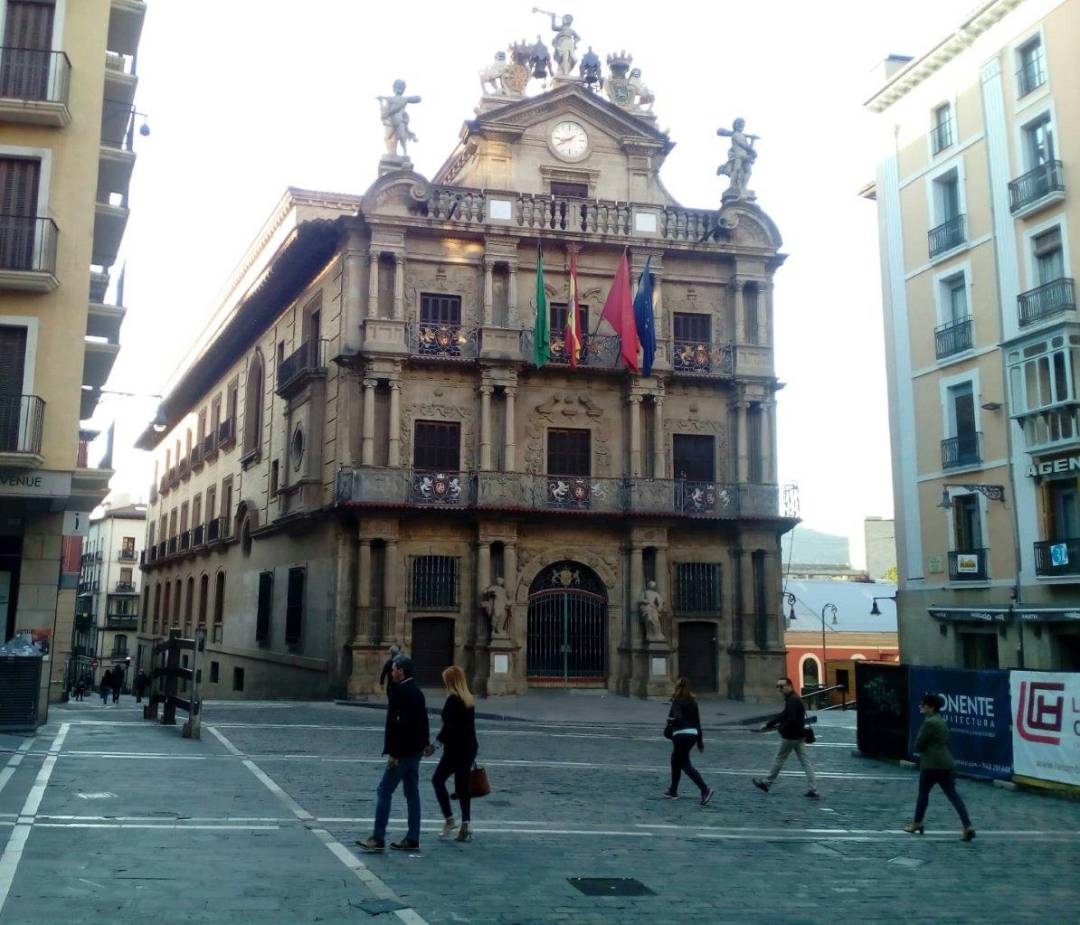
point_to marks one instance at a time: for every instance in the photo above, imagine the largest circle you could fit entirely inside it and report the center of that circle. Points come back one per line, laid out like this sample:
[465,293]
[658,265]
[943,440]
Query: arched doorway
[567,633]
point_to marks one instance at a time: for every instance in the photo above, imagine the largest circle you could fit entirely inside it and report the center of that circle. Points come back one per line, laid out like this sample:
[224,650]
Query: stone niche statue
[740,160]
[565,42]
[496,606]
[650,606]
[396,120]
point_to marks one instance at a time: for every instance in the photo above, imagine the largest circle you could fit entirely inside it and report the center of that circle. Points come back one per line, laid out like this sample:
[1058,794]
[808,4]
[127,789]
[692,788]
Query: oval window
[297,448]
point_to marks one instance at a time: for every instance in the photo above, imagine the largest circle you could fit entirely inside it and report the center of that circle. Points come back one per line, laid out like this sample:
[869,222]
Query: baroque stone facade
[434,457]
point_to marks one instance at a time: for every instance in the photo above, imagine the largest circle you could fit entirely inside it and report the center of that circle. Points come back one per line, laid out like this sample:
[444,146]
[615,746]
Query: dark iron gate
[567,636]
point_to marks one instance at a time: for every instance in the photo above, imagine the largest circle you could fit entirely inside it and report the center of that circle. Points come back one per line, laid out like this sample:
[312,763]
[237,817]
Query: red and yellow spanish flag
[572,335]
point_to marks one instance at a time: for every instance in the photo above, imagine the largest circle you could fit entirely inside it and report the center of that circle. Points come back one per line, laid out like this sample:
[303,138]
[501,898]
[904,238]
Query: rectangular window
[312,323]
[437,446]
[1049,256]
[1039,142]
[264,610]
[573,190]
[941,135]
[19,232]
[693,328]
[24,68]
[569,452]
[215,417]
[211,503]
[757,573]
[238,679]
[697,588]
[954,297]
[557,319]
[184,517]
[196,511]
[273,478]
[226,506]
[754,423]
[440,309]
[433,583]
[201,428]
[125,576]
[946,197]
[215,672]
[294,607]
[127,547]
[966,528]
[1032,72]
[1064,510]
[232,397]
[694,457]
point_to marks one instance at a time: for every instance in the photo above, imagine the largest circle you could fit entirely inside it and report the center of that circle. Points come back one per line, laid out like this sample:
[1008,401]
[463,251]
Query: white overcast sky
[246,97]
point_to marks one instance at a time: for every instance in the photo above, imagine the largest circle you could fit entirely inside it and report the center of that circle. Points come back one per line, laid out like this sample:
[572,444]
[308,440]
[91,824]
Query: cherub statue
[396,119]
[565,42]
[740,159]
[496,605]
[493,75]
[642,96]
[650,606]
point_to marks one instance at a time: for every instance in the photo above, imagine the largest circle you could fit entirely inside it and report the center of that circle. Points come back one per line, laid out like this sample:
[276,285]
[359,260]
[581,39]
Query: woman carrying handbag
[684,729]
[458,738]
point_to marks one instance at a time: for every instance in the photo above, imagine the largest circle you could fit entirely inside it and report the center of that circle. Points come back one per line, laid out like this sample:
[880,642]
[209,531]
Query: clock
[569,140]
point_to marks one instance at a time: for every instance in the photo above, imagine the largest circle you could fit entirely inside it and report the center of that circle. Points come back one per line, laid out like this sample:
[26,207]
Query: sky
[279,93]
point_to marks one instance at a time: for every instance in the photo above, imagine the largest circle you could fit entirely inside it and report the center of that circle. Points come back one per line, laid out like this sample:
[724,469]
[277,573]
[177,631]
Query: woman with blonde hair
[458,738]
[684,730]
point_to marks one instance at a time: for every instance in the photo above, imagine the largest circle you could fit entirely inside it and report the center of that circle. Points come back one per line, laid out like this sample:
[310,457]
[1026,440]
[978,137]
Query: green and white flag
[541,334]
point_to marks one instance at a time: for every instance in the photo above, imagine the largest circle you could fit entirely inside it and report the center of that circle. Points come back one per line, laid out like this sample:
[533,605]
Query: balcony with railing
[226,435]
[1046,301]
[196,457]
[116,159]
[185,541]
[28,253]
[34,86]
[174,477]
[702,360]
[198,536]
[22,420]
[430,340]
[968,565]
[183,469]
[954,337]
[599,351]
[110,222]
[1058,557]
[296,370]
[947,236]
[209,445]
[173,546]
[961,451]
[121,621]
[126,555]
[1037,189]
[124,587]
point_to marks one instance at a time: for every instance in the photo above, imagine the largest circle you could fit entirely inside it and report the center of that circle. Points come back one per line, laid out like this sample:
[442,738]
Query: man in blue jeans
[406,740]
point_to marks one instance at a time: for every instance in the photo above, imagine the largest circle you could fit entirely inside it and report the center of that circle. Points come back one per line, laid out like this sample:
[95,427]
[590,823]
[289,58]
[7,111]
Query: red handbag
[479,785]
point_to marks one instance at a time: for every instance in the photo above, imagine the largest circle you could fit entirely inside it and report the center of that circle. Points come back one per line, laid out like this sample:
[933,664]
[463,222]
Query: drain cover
[610,886]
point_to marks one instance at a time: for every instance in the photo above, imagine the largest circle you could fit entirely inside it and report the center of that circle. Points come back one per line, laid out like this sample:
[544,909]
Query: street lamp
[875,611]
[828,608]
[789,598]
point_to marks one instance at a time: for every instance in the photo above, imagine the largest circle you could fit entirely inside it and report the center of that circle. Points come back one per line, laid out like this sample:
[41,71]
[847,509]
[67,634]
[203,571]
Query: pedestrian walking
[684,729]
[105,687]
[458,738]
[117,682]
[140,685]
[80,689]
[385,681]
[405,741]
[791,724]
[936,766]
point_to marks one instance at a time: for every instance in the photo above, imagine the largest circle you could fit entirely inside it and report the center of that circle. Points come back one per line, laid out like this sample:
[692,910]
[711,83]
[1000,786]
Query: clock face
[569,139]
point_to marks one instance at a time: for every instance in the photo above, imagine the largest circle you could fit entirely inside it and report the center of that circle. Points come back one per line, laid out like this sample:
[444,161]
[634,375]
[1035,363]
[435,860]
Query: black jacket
[384,676]
[684,715]
[791,721]
[407,731]
[458,734]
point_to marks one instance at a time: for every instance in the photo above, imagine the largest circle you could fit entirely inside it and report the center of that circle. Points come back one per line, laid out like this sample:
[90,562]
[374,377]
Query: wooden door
[697,655]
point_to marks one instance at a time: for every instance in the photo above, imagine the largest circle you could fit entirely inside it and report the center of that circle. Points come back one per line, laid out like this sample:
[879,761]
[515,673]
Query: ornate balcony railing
[600,351]
[34,74]
[535,492]
[443,341]
[1058,557]
[1047,300]
[125,587]
[121,621]
[1035,185]
[22,419]
[946,236]
[691,358]
[953,337]
[968,565]
[309,357]
[960,451]
[28,242]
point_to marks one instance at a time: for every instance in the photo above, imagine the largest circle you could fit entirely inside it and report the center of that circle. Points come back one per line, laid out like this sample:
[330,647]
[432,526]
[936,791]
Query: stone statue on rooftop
[396,119]
[494,76]
[565,42]
[740,160]
[590,69]
[642,96]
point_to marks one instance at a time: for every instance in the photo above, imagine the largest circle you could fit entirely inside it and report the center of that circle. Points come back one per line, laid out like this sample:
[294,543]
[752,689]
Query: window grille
[568,452]
[697,588]
[434,582]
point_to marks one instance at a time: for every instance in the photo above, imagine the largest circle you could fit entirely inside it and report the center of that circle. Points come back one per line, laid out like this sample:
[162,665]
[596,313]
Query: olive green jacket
[932,745]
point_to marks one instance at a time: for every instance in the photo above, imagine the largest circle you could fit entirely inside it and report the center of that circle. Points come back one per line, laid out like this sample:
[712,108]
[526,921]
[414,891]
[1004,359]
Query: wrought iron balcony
[1035,185]
[1047,300]
[226,434]
[28,244]
[84,621]
[185,541]
[174,477]
[1058,557]
[941,136]
[968,565]
[954,337]
[118,125]
[962,450]
[443,341]
[209,445]
[196,457]
[172,546]
[308,359]
[125,587]
[121,621]
[22,419]
[198,536]
[690,358]
[600,351]
[126,555]
[183,470]
[35,75]
[946,236]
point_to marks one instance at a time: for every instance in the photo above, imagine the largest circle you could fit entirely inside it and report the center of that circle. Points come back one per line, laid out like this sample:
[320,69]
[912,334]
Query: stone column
[393,456]
[367,447]
[355,260]
[766,441]
[399,286]
[743,451]
[373,284]
[390,593]
[765,309]
[485,427]
[511,296]
[637,584]
[510,570]
[772,473]
[362,626]
[489,290]
[509,445]
[659,467]
[740,310]
[635,435]
[483,580]
[662,576]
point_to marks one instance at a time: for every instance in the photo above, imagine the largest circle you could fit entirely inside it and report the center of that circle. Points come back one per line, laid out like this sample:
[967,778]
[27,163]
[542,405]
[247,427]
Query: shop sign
[1054,467]
[1046,727]
[34,483]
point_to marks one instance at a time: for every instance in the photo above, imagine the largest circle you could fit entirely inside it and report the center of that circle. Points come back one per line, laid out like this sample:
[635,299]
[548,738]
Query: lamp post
[828,608]
[789,598]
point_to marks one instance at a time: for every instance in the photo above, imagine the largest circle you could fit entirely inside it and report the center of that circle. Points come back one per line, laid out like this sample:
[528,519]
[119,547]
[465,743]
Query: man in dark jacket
[407,738]
[791,723]
[384,677]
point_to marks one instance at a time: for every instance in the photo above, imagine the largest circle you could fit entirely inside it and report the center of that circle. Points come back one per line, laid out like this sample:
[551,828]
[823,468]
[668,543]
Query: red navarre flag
[619,313]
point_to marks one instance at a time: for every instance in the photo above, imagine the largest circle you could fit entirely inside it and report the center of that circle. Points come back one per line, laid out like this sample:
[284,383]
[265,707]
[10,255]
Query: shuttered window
[18,207]
[24,66]
[440,309]
[264,609]
[294,607]
[437,446]
[694,329]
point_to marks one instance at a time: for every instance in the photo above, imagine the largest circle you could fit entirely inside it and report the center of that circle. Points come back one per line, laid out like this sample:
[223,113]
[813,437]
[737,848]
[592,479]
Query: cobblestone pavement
[106,817]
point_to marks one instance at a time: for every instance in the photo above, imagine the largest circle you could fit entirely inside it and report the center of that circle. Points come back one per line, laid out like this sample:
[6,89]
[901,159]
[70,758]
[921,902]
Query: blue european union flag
[643,318]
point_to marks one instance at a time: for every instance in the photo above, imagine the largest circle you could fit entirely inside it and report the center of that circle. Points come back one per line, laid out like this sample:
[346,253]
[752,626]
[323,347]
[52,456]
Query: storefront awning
[1001,614]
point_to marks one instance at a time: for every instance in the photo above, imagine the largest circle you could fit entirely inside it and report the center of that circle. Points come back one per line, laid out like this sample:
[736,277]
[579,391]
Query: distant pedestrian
[140,685]
[458,737]
[385,681]
[117,682]
[684,727]
[106,687]
[791,724]
[936,766]
[80,689]
[406,740]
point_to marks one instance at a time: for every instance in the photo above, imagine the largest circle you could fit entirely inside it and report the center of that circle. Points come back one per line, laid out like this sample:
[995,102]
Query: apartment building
[979,150]
[363,450]
[67,84]
[107,596]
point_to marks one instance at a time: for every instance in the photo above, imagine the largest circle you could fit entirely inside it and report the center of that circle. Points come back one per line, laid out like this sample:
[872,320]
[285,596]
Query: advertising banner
[977,711]
[881,692]
[1046,731]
